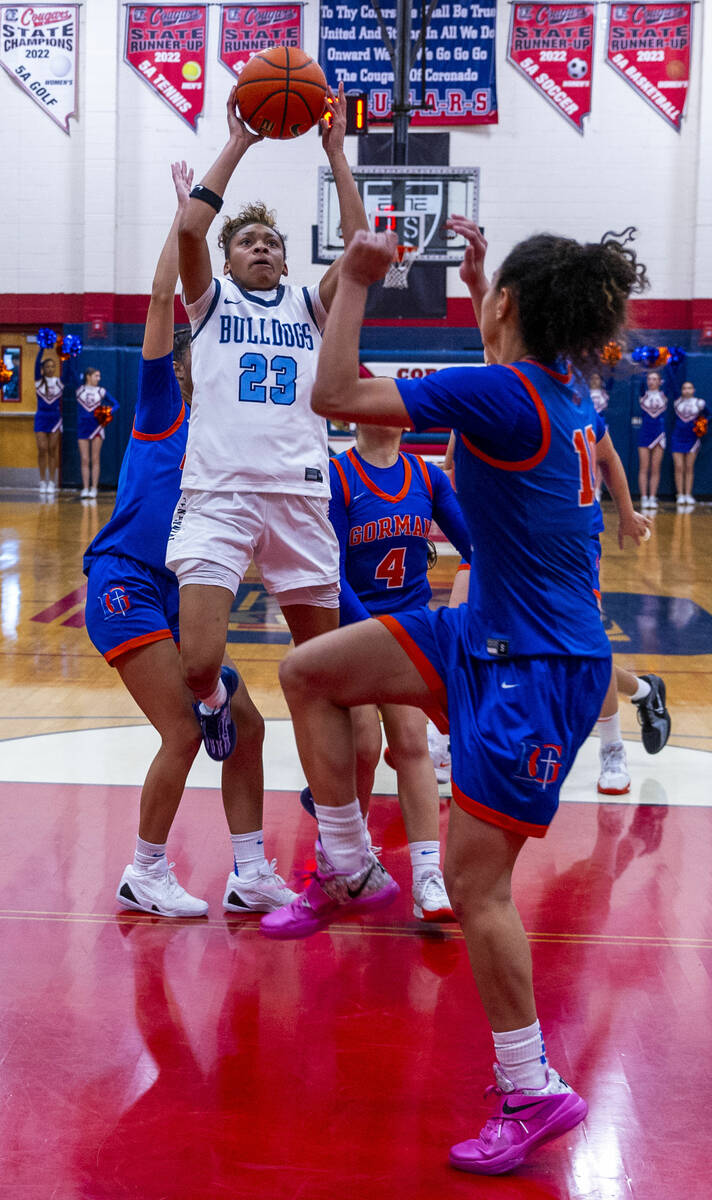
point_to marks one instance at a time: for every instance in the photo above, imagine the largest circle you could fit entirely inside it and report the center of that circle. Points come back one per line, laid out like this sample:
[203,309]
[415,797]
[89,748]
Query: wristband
[202,193]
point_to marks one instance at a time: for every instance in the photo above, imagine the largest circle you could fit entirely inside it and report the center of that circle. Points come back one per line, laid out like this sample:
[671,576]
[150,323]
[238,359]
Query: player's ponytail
[572,297]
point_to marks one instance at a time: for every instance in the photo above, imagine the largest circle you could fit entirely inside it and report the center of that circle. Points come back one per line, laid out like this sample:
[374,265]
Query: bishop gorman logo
[115,601]
[539,763]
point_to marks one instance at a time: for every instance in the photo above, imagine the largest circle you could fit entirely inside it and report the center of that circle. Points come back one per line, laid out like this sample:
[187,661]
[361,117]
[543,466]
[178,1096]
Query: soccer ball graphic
[577,68]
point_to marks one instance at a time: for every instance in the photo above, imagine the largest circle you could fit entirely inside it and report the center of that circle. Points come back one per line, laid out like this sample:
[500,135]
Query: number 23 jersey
[254,357]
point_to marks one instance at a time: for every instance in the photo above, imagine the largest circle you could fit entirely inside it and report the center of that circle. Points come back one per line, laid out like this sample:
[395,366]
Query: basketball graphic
[281,92]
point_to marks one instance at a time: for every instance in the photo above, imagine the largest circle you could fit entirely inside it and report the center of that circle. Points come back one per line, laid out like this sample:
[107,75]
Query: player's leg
[614,779]
[679,466]
[405,729]
[253,884]
[439,743]
[656,458]
[55,441]
[42,440]
[648,694]
[689,474]
[643,471]
[83,444]
[307,621]
[95,444]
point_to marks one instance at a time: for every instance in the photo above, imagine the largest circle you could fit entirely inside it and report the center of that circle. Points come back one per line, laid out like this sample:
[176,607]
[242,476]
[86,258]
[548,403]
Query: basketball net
[397,273]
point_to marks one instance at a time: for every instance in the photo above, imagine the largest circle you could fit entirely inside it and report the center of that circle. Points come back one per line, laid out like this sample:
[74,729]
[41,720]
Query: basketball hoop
[397,273]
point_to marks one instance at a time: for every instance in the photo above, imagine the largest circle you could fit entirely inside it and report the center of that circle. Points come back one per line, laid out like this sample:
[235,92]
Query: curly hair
[256,213]
[572,297]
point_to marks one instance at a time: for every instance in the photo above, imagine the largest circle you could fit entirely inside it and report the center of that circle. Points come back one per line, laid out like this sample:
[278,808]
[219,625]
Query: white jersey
[599,399]
[90,397]
[254,357]
[688,408]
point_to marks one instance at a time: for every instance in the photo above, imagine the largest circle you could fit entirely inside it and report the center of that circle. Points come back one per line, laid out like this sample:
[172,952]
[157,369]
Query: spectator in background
[49,389]
[92,401]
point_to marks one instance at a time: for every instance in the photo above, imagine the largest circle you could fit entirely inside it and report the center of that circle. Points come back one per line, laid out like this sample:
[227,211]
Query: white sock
[522,1055]
[343,835]
[641,691]
[609,729]
[211,704]
[423,857]
[249,852]
[150,855]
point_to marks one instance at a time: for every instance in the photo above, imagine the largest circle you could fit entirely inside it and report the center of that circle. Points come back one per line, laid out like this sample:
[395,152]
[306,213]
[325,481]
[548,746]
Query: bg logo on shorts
[539,763]
[115,602]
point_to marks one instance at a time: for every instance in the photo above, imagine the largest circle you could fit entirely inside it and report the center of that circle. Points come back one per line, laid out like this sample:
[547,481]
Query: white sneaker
[681,500]
[439,750]
[645,502]
[614,779]
[84,494]
[265,892]
[43,487]
[430,900]
[158,892]
[51,488]
[690,500]
[91,493]
[652,502]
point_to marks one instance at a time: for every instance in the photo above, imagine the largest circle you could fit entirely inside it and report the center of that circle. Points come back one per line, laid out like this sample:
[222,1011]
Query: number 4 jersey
[254,357]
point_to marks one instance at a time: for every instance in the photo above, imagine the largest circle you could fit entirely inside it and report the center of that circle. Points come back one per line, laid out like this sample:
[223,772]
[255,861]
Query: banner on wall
[460,76]
[552,46]
[247,28]
[165,46]
[39,52]
[649,46]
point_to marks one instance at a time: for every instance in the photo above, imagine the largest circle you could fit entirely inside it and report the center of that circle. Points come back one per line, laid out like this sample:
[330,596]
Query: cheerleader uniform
[48,417]
[88,399]
[687,410]
[599,398]
[652,430]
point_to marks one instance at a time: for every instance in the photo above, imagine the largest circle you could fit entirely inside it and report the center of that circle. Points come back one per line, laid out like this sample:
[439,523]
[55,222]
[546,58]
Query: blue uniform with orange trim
[132,597]
[521,670]
[382,518]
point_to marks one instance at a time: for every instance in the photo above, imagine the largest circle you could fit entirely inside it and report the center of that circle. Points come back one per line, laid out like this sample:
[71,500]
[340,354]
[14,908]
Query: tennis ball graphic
[191,71]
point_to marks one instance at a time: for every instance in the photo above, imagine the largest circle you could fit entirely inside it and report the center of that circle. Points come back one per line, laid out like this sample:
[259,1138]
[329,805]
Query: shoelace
[269,871]
[434,883]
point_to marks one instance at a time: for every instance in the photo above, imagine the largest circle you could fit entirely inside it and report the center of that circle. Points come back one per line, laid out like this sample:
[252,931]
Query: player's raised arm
[338,391]
[472,270]
[205,201]
[351,210]
[158,334]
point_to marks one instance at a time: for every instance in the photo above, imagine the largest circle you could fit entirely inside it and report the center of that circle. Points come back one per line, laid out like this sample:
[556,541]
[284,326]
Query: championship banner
[552,46]
[165,46]
[247,28]
[460,76]
[39,52]
[649,46]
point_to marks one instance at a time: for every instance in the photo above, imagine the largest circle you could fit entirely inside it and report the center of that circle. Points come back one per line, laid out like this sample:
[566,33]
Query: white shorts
[290,538]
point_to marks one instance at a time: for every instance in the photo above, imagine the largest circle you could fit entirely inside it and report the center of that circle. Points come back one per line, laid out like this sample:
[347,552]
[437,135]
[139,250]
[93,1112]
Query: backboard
[414,201]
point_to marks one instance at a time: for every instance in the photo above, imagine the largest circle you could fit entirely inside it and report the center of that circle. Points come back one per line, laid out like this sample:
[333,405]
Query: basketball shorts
[290,538]
[594,558]
[516,724]
[129,605]
[87,426]
[47,422]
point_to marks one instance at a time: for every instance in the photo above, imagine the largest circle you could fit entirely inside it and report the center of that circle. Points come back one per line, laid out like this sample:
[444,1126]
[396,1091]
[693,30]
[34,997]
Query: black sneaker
[653,717]
[218,729]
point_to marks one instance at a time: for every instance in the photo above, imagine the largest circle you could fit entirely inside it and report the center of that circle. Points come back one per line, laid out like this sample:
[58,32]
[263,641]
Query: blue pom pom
[71,344]
[677,356]
[46,338]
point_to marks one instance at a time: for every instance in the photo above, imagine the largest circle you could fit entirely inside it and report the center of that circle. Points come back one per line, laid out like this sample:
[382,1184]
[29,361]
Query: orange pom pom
[612,353]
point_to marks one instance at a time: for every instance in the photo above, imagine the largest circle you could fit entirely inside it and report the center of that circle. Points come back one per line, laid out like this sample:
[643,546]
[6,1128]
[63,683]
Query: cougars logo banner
[552,46]
[649,47]
[165,46]
[39,52]
[247,28]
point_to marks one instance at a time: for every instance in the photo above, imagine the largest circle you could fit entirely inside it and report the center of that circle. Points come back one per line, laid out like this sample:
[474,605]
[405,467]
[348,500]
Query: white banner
[38,49]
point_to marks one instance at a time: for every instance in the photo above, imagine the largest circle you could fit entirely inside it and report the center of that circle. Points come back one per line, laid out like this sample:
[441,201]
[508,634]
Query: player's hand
[473,264]
[240,135]
[635,526]
[368,256]
[332,125]
[182,181]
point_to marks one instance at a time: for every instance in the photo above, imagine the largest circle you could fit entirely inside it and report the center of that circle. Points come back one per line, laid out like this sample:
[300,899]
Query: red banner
[247,28]
[649,47]
[165,46]
[552,46]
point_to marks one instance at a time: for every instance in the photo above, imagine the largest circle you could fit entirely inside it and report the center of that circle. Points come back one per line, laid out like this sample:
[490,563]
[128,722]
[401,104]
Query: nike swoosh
[362,884]
[428,852]
[508,1109]
[510,685]
[233,301]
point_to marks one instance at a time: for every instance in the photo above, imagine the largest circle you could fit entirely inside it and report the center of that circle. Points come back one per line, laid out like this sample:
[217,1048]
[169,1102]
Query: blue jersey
[382,517]
[524,463]
[150,479]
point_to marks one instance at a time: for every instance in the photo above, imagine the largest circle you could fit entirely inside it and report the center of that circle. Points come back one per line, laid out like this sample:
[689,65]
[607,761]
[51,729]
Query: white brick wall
[89,212]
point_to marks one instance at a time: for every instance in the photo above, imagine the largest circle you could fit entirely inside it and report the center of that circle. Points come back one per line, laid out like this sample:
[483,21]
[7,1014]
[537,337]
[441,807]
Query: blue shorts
[48,422]
[129,605]
[516,724]
[594,557]
[87,425]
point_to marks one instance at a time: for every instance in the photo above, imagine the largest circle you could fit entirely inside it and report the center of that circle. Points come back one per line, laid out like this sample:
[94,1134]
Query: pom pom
[676,355]
[663,356]
[646,355]
[63,357]
[5,374]
[611,353]
[103,414]
[71,345]
[700,427]
[46,338]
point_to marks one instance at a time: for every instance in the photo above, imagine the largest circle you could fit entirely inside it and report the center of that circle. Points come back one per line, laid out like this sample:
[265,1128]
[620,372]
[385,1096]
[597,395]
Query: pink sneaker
[327,894]
[521,1122]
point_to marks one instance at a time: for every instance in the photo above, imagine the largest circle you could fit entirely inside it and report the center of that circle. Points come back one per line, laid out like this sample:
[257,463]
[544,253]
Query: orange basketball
[281,92]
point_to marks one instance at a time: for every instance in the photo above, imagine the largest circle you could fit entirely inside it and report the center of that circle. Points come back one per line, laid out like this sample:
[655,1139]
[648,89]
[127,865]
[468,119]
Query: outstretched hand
[240,135]
[473,264]
[332,125]
[368,256]
[182,181]
[636,527]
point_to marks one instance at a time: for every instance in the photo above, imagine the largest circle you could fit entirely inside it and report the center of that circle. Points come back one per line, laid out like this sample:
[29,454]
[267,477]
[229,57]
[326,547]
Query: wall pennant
[552,46]
[649,46]
[247,28]
[165,46]
[39,52]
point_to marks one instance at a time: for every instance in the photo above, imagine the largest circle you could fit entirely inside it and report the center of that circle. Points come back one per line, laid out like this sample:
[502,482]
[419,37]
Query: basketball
[281,92]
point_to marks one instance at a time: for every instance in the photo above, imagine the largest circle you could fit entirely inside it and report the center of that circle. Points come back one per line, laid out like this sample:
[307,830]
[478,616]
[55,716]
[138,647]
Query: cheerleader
[48,422]
[599,397]
[90,430]
[684,441]
[651,440]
